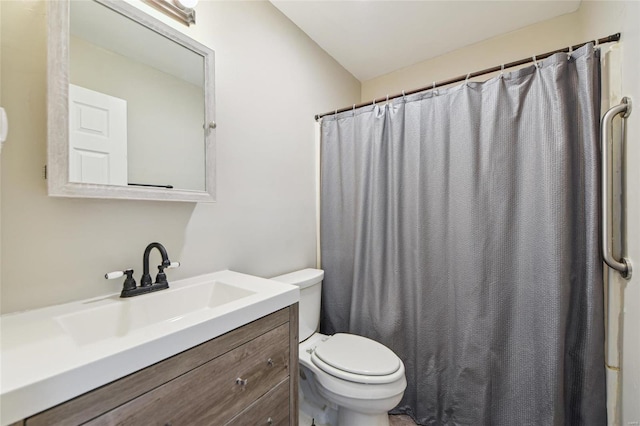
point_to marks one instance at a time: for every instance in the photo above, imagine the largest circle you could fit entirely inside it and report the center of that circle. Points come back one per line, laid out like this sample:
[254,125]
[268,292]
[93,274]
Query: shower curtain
[459,227]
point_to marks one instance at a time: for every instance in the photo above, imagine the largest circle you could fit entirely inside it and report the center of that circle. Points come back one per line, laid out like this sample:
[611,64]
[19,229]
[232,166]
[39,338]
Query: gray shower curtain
[460,228]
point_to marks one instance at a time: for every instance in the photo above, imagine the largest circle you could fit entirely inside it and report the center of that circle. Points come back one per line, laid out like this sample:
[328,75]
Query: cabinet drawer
[211,393]
[270,410]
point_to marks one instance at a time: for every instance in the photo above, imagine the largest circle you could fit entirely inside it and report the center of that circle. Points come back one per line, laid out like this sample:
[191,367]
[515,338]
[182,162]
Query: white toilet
[358,377]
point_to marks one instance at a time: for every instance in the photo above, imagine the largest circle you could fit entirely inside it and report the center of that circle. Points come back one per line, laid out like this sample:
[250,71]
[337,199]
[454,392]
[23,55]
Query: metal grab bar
[623,265]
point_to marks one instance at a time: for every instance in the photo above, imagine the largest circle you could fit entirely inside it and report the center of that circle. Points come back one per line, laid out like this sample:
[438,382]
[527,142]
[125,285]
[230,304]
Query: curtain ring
[535,62]
[595,44]
[354,110]
[569,53]
[501,70]
[466,80]
[387,99]
[404,97]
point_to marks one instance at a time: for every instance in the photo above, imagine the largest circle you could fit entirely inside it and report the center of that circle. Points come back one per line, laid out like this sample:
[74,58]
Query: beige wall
[165,114]
[594,19]
[270,81]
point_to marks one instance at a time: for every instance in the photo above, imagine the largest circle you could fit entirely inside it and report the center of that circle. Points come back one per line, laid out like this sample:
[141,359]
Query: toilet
[345,379]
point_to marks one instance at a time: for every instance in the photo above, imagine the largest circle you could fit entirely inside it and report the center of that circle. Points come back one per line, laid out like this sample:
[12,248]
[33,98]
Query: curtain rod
[609,39]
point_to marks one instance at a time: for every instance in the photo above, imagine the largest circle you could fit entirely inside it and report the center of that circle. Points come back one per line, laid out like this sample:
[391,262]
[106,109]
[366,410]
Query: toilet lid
[357,355]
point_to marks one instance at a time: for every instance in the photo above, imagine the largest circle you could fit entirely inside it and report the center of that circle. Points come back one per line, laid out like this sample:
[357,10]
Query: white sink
[54,354]
[121,317]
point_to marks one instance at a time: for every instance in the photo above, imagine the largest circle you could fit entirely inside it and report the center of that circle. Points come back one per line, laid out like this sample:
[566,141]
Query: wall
[158,153]
[631,87]
[270,81]
[594,19]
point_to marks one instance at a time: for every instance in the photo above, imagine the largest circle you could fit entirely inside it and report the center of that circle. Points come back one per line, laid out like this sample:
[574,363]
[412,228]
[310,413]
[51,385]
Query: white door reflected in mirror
[97,137]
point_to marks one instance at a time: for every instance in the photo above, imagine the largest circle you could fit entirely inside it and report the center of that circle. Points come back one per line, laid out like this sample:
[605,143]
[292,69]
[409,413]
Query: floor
[400,420]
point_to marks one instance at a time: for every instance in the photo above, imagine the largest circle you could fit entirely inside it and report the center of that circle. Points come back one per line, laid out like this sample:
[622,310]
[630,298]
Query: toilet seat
[357,359]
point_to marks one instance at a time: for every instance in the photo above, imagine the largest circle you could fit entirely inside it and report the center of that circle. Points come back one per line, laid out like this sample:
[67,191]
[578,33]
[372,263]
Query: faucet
[161,278]
[129,288]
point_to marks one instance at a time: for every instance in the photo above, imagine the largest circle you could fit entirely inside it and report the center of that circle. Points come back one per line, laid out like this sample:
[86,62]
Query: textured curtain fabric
[461,229]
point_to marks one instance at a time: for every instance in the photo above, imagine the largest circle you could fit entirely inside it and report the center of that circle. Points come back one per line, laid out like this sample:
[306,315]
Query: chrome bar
[624,108]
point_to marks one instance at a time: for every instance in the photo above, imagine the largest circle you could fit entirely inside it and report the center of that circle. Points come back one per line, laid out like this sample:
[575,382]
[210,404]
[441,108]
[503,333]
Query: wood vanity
[247,376]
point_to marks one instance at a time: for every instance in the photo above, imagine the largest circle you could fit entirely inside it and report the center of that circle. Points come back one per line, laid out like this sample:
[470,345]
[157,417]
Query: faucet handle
[113,275]
[129,282]
[161,278]
[117,274]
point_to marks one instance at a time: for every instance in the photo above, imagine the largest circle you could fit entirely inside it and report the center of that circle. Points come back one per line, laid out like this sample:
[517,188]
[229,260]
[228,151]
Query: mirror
[130,106]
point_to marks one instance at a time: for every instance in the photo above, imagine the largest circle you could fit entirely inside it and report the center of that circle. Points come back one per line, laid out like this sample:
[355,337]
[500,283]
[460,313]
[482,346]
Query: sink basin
[53,354]
[120,317]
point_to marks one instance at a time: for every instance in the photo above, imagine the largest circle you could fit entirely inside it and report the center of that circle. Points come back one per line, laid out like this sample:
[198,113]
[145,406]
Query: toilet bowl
[346,380]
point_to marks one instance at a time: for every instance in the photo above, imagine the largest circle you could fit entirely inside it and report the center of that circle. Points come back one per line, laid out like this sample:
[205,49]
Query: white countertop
[43,365]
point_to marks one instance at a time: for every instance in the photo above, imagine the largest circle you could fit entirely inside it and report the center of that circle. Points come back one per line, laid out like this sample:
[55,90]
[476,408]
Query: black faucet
[161,278]
[129,289]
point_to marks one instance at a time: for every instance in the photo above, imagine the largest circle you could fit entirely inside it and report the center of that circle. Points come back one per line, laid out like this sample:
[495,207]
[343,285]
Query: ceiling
[371,38]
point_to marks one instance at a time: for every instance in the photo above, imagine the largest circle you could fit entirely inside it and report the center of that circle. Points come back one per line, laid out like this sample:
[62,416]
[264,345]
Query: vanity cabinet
[248,376]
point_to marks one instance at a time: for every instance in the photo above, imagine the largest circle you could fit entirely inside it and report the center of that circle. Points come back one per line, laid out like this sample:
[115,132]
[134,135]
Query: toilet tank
[310,282]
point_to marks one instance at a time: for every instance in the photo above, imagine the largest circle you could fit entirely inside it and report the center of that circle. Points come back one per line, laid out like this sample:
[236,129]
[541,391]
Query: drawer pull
[269,421]
[270,362]
[241,382]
